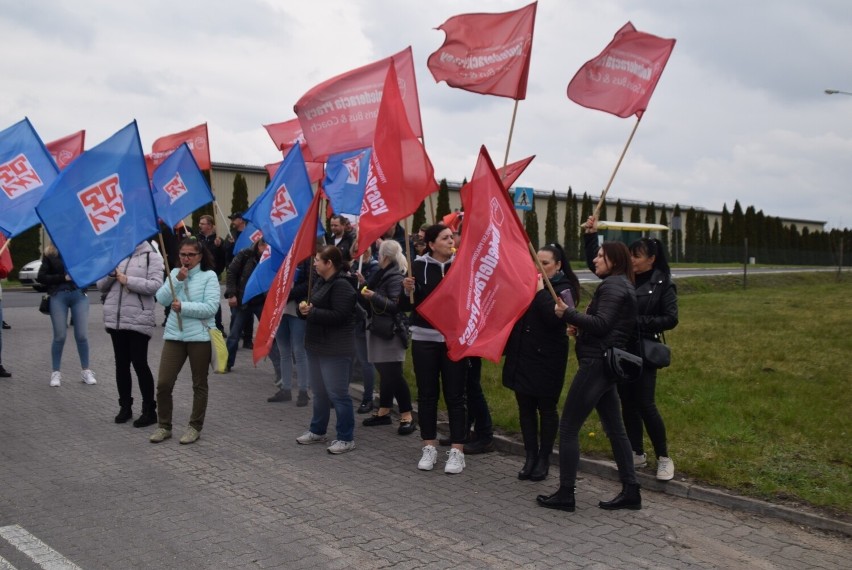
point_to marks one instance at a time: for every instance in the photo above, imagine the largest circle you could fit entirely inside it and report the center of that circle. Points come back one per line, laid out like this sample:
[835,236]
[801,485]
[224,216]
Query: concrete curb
[682,489]
[686,490]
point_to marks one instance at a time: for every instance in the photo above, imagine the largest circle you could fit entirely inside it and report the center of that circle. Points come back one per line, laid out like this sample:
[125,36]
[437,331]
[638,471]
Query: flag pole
[611,178]
[509,142]
[431,203]
[169,275]
[5,246]
[408,256]
[221,213]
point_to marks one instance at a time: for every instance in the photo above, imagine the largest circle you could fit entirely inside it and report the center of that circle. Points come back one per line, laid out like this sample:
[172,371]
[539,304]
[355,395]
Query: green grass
[757,399]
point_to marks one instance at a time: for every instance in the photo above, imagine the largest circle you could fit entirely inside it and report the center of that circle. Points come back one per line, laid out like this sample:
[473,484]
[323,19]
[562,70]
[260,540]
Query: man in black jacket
[214,244]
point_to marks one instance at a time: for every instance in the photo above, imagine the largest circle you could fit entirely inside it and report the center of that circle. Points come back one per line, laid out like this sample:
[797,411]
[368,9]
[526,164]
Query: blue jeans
[290,339]
[239,317]
[78,303]
[330,385]
[368,371]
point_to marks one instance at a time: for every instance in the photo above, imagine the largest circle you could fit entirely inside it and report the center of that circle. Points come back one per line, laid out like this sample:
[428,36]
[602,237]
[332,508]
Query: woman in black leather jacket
[656,300]
[609,321]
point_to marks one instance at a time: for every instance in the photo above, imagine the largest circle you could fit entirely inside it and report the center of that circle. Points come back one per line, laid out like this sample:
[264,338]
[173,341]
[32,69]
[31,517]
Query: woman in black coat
[656,301]
[329,343]
[609,321]
[536,359]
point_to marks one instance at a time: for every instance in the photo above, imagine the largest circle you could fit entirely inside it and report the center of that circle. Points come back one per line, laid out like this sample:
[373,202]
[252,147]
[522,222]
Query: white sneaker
[309,437]
[665,469]
[337,447]
[640,460]
[455,461]
[430,456]
[88,377]
[55,378]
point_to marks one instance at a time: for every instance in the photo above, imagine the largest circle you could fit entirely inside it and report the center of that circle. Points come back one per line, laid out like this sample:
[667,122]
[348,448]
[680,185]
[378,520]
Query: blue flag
[179,187]
[346,179]
[278,211]
[249,235]
[264,272]
[100,207]
[26,172]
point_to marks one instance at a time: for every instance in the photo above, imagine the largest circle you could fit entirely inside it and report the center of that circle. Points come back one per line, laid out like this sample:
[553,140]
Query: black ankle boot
[525,471]
[562,499]
[628,498]
[124,414]
[542,467]
[149,415]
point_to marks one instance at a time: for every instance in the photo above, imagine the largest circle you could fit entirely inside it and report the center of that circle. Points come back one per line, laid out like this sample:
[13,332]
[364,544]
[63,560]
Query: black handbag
[656,353]
[44,305]
[623,366]
[382,325]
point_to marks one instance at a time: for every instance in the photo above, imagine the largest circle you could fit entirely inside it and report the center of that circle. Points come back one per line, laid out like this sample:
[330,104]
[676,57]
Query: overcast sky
[739,114]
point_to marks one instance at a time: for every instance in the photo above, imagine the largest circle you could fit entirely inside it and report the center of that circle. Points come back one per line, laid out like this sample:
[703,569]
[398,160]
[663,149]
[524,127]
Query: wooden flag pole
[224,218]
[509,142]
[169,275]
[431,203]
[408,257]
[611,178]
[5,246]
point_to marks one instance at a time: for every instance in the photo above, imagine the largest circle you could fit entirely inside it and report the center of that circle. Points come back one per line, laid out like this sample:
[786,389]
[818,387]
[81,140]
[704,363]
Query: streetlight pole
[836,92]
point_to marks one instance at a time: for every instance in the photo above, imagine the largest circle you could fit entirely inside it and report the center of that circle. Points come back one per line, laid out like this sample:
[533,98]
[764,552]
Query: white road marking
[35,549]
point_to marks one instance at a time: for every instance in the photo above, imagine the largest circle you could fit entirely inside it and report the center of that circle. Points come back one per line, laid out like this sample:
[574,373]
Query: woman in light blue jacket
[193,306]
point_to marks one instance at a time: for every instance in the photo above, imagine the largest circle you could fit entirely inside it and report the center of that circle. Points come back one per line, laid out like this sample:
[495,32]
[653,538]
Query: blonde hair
[392,250]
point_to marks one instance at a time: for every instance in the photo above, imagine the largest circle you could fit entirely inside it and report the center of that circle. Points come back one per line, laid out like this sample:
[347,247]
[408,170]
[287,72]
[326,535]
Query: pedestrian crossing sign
[523,199]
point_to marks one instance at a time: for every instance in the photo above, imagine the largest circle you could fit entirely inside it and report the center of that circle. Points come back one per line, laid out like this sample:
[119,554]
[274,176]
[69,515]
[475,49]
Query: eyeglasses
[182,254]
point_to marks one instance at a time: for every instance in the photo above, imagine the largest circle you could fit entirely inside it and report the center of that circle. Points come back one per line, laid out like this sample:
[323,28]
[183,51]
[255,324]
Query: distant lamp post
[836,92]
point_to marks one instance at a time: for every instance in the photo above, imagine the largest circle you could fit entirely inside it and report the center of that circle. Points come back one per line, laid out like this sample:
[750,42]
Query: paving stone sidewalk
[98,495]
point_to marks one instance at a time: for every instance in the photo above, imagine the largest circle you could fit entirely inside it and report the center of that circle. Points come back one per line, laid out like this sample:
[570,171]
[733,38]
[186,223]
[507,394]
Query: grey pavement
[77,490]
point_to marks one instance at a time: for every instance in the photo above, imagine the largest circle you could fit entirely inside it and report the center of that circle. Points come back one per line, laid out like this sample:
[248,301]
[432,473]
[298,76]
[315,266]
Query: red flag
[487,53]
[340,114]
[304,246]
[315,170]
[512,171]
[622,78]
[197,140]
[492,280]
[400,175]
[66,149]
[6,264]
[286,134]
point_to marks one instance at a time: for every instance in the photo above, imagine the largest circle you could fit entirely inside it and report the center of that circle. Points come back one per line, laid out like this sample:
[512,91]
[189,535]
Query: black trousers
[434,370]
[131,349]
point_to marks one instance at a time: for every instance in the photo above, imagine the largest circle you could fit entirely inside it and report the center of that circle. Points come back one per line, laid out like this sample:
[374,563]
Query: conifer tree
[551,233]
[531,226]
[443,207]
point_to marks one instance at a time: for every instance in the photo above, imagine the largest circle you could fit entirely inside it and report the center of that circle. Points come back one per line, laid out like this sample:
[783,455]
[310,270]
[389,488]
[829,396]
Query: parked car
[28,273]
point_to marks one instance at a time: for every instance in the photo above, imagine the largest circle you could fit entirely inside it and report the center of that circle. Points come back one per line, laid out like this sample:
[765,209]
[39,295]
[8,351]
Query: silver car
[28,273]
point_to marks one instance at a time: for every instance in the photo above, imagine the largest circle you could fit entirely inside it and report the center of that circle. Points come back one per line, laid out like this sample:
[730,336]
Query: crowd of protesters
[349,307]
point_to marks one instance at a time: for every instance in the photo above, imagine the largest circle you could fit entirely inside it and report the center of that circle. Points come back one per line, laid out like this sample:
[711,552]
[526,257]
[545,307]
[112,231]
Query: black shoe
[124,414]
[406,428]
[6,326]
[4,373]
[542,467]
[148,416]
[377,420]
[302,399]
[366,407]
[248,344]
[525,471]
[628,498]
[477,446]
[562,500]
[281,396]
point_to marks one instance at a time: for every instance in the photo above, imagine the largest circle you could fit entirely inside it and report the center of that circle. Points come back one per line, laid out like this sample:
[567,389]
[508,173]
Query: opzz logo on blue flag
[175,189]
[103,203]
[17,177]
[283,207]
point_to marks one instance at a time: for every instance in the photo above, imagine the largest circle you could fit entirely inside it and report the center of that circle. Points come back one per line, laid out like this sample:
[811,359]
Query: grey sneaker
[309,437]
[161,434]
[665,469]
[55,379]
[337,447]
[640,460]
[430,456]
[455,462]
[190,436]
